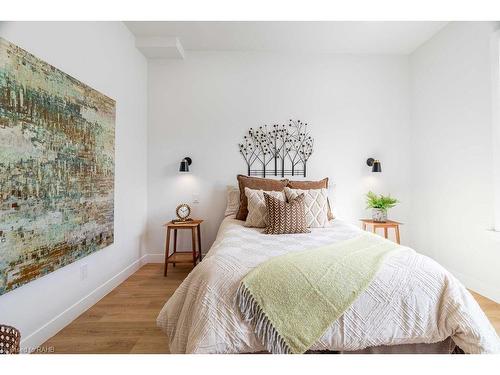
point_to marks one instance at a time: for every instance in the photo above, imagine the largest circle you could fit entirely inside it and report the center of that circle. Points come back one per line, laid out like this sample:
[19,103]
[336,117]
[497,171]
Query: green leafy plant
[382,202]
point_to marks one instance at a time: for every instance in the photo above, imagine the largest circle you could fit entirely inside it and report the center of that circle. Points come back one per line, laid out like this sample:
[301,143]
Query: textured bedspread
[411,300]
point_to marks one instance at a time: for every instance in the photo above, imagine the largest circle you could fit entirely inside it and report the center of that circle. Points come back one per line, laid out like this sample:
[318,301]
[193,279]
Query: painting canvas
[56,168]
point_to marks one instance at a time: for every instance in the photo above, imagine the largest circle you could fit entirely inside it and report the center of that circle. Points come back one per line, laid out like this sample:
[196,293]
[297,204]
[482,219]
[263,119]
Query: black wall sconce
[185,163]
[375,164]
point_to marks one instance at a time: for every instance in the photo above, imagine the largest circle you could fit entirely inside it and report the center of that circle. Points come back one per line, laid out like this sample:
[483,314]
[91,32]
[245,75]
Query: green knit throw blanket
[292,299]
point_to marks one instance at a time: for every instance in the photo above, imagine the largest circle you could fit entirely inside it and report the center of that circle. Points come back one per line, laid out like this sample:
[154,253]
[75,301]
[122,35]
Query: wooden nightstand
[183,256]
[388,224]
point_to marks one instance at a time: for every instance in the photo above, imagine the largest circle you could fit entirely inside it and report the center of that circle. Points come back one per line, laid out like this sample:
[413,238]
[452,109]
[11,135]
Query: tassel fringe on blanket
[263,328]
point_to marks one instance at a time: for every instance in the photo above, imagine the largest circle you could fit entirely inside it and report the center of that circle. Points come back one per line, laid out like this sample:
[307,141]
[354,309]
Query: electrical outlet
[196,198]
[84,271]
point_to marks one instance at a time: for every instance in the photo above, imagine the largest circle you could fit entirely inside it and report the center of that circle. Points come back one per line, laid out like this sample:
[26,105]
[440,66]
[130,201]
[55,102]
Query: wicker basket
[10,338]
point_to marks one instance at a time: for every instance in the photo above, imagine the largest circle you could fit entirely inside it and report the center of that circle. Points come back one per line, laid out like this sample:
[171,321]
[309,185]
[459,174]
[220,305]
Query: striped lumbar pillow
[285,217]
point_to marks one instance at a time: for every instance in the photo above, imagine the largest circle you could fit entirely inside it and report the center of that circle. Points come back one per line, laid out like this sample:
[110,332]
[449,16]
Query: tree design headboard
[277,150]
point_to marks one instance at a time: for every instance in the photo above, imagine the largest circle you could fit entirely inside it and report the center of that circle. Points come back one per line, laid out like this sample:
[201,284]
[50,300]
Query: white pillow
[316,202]
[257,211]
[233,200]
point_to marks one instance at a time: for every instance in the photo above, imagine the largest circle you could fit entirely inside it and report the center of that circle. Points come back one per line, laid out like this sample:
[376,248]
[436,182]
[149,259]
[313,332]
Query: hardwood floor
[125,320]
[490,308]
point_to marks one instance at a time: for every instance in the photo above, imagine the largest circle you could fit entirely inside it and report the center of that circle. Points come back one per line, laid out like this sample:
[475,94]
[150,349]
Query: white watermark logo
[38,349]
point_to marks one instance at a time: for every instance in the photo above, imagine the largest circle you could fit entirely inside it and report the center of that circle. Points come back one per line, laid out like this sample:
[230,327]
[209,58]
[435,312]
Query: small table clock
[182,211]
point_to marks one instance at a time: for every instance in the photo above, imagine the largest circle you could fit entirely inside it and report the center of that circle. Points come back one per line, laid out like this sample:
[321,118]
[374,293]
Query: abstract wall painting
[56,168]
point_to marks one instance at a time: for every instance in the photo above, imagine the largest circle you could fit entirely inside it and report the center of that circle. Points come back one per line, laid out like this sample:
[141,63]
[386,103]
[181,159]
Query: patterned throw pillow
[257,212]
[285,217]
[307,185]
[316,202]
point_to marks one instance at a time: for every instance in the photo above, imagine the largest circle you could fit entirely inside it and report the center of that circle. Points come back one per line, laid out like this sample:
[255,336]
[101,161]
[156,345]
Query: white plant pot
[379,215]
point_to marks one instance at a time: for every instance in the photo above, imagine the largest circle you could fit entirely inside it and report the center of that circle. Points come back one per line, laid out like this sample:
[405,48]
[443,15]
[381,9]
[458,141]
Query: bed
[412,306]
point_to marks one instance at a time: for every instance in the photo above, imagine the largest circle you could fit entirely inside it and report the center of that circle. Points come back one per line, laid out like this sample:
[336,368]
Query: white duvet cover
[411,300]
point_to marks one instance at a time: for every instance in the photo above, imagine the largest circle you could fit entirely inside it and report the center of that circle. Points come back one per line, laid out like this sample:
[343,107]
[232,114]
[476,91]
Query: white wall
[102,55]
[357,107]
[452,157]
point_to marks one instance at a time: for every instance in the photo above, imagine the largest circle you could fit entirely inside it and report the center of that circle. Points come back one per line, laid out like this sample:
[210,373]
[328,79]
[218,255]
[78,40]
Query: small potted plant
[379,205]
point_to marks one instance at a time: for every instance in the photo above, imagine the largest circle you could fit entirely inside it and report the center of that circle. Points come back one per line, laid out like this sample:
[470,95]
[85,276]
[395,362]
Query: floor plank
[125,320]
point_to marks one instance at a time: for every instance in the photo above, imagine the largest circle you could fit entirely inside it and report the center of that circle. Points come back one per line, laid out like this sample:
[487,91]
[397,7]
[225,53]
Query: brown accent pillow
[285,217]
[308,185]
[256,183]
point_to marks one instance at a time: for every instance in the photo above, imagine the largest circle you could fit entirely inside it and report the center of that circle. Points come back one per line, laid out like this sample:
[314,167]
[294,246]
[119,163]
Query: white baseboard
[49,329]
[478,286]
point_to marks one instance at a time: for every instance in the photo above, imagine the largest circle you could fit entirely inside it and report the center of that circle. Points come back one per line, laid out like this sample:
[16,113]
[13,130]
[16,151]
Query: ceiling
[360,37]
